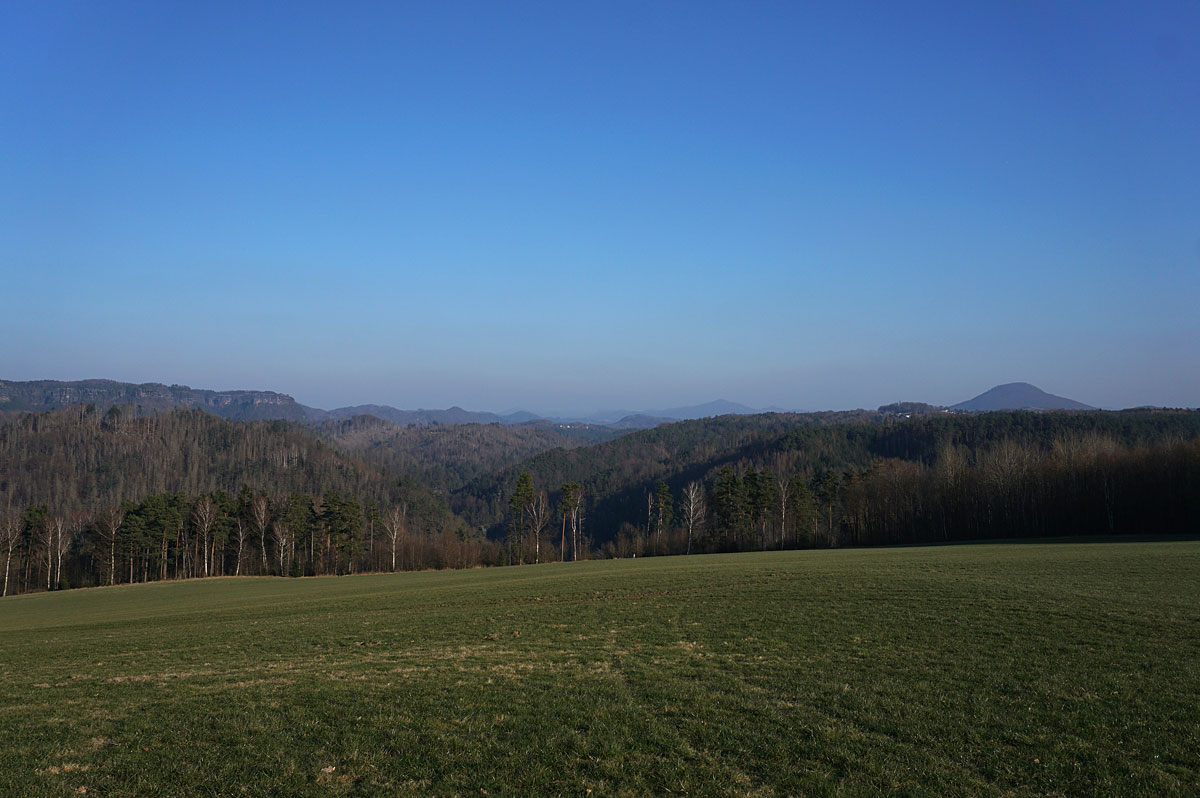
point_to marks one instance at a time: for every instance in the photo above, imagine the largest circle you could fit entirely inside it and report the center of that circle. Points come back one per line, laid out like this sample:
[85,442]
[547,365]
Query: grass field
[1070,669]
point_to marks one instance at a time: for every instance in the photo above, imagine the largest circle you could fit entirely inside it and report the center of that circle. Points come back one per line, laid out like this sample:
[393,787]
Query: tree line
[1077,484]
[616,476]
[90,498]
[177,536]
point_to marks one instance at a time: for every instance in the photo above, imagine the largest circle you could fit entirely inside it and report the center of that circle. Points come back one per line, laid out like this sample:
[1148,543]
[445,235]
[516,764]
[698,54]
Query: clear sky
[571,205]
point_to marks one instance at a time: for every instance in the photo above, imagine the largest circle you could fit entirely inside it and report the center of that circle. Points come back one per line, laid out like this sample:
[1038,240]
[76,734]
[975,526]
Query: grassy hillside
[1018,669]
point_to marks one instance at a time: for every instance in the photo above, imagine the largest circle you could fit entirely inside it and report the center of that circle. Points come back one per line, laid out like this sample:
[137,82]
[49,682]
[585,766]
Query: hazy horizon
[587,207]
[613,410]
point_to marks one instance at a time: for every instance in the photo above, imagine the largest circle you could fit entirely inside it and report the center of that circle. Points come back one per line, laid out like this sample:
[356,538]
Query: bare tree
[281,533]
[46,535]
[204,517]
[108,527]
[10,536]
[783,493]
[242,533]
[64,533]
[576,522]
[570,508]
[260,513]
[394,524]
[693,511]
[539,516]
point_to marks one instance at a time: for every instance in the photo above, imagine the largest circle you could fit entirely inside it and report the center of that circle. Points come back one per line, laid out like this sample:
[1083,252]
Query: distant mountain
[640,421]
[42,395]
[1018,396]
[452,415]
[720,407]
[520,417]
[39,395]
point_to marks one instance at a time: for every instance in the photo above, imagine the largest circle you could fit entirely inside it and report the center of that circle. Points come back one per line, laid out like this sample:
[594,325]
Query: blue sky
[569,206]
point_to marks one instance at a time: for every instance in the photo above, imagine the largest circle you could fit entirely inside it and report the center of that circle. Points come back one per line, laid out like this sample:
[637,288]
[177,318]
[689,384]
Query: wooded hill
[81,460]
[88,497]
[620,478]
[446,457]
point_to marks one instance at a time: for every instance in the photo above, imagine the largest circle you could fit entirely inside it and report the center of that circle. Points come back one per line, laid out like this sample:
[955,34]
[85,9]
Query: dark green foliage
[519,505]
[342,519]
[803,511]
[664,507]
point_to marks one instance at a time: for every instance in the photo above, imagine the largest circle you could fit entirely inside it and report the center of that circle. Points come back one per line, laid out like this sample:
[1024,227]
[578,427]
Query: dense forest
[90,497]
[617,475]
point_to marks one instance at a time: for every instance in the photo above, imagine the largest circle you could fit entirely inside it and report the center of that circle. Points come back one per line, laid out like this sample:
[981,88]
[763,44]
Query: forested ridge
[79,458]
[90,497]
[445,457]
[957,475]
[77,483]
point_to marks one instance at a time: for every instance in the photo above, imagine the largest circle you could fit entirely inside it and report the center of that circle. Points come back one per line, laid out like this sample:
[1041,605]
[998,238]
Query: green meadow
[1024,669]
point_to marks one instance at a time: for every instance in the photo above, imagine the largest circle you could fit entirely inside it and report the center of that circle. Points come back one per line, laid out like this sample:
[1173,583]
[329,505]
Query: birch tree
[239,529]
[108,527]
[45,534]
[63,535]
[572,499]
[281,533]
[783,493]
[693,511]
[394,524]
[260,515]
[577,522]
[204,518]
[539,516]
[10,536]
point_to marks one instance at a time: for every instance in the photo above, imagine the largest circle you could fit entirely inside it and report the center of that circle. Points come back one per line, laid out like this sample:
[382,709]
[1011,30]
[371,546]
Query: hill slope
[72,460]
[617,475]
[446,456]
[923,670]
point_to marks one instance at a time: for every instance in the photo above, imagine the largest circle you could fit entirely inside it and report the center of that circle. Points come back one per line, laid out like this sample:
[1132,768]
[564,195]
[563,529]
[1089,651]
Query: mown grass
[1069,669]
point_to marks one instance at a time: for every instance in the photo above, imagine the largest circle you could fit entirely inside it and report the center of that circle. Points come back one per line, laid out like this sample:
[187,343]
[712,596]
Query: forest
[100,498]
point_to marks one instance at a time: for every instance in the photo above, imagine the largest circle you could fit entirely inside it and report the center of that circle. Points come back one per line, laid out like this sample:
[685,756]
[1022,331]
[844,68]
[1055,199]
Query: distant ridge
[451,415]
[242,405]
[38,395]
[640,421]
[720,407]
[1018,396]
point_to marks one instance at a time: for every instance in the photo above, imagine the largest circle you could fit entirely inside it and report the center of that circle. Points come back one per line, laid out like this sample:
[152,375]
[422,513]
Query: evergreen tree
[664,505]
[520,506]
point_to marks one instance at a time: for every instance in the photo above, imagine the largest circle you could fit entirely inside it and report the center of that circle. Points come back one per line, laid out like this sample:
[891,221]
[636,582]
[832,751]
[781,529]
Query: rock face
[1018,396]
[233,405]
